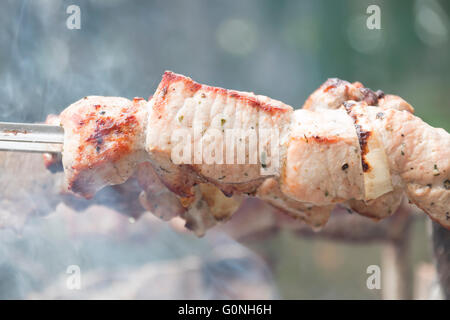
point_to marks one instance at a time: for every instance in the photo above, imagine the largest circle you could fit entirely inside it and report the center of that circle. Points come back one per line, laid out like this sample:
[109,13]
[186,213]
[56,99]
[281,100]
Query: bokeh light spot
[431,23]
[237,36]
[363,39]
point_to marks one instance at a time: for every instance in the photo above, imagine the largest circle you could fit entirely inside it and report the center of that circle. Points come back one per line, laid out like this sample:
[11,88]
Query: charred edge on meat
[363,136]
[332,83]
[169,78]
[370,97]
[105,128]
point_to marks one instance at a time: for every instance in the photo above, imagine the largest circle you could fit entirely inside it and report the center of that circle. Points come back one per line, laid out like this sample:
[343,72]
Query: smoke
[119,259]
[123,49]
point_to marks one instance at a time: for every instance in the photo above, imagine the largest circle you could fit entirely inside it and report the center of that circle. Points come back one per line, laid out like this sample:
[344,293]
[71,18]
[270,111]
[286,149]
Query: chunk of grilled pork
[333,94]
[103,142]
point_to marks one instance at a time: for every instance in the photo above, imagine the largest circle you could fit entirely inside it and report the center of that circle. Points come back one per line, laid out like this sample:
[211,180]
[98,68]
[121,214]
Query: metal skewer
[30,137]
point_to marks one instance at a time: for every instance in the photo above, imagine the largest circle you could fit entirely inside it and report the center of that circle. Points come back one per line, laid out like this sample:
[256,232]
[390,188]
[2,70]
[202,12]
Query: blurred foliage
[325,269]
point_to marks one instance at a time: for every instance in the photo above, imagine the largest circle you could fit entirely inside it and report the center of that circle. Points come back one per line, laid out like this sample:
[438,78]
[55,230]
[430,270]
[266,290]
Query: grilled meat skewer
[347,145]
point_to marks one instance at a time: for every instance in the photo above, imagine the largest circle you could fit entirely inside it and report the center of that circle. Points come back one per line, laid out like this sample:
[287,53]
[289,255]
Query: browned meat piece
[381,207]
[323,161]
[209,207]
[155,196]
[332,95]
[103,142]
[420,155]
[220,206]
[315,216]
[184,105]
[390,101]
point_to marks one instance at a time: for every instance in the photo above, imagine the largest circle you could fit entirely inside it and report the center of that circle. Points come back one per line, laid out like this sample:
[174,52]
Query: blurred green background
[283,49]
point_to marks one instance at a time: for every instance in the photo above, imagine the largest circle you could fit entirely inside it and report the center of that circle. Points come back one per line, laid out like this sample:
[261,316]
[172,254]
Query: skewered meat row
[347,145]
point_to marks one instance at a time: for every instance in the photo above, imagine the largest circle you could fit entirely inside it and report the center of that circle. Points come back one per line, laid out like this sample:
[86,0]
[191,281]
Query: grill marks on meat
[108,131]
[103,142]
[362,134]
